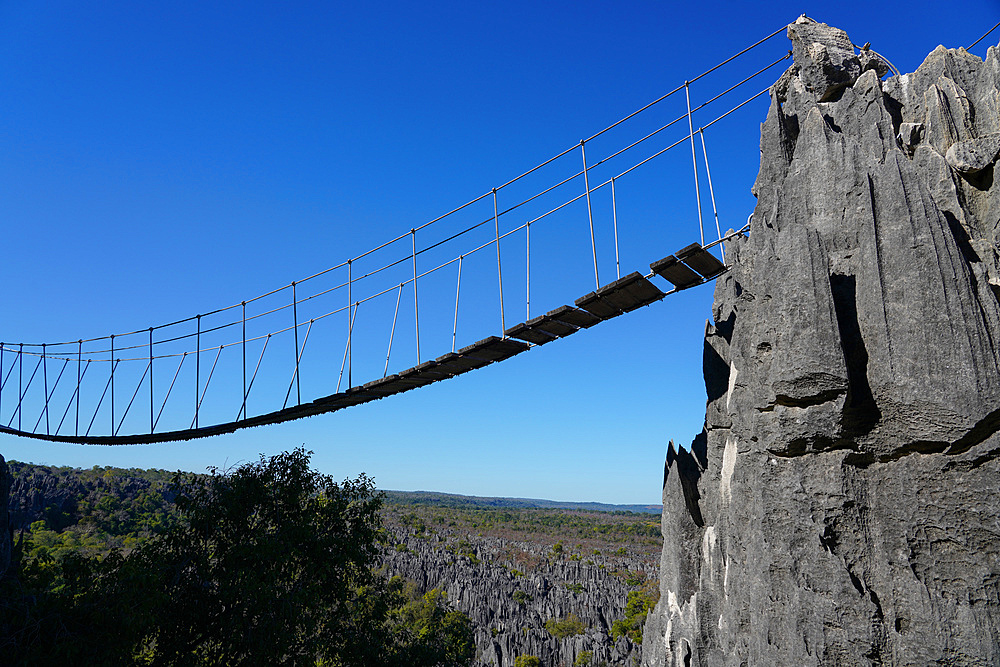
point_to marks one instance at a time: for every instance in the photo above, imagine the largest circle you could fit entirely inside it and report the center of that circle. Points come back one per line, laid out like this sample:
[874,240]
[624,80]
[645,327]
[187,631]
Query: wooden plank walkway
[688,267]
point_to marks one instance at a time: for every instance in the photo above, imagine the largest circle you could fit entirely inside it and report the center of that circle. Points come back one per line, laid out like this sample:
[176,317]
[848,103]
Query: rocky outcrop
[840,507]
[509,602]
[5,531]
[54,494]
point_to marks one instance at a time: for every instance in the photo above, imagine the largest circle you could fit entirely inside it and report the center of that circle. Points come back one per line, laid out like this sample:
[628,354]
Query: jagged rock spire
[840,506]
[5,533]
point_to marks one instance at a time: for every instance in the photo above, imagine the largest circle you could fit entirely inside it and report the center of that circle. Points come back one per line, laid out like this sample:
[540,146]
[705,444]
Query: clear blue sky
[162,159]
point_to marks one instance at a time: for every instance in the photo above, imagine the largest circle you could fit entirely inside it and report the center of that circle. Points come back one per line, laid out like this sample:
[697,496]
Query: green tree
[567,627]
[527,661]
[268,564]
[426,632]
[637,606]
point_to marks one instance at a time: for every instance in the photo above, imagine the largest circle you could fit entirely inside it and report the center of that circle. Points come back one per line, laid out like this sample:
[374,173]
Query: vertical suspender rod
[244,404]
[295,317]
[112,383]
[416,310]
[151,420]
[393,331]
[45,388]
[711,191]
[694,161]
[458,288]
[197,371]
[79,379]
[527,271]
[614,216]
[350,322]
[496,223]
[590,213]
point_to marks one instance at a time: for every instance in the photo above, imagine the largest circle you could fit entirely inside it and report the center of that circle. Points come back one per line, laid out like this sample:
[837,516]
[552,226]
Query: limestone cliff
[841,506]
[5,532]
[505,627]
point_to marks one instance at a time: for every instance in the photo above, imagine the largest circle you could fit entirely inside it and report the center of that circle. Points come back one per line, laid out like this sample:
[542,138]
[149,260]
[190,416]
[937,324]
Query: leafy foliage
[638,605]
[564,524]
[268,564]
[93,511]
[567,627]
[527,661]
[426,632]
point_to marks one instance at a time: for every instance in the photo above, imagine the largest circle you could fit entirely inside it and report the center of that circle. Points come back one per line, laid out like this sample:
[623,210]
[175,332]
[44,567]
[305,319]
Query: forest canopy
[269,563]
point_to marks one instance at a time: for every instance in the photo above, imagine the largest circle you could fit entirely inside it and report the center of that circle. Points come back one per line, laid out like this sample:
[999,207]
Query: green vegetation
[451,500]
[271,563]
[586,659]
[110,508]
[635,578]
[580,526]
[570,534]
[426,632]
[465,548]
[567,627]
[527,661]
[639,604]
[575,588]
[521,597]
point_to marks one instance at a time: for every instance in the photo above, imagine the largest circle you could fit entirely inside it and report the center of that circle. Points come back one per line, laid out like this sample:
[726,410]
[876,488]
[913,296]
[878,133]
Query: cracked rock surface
[5,531]
[841,506]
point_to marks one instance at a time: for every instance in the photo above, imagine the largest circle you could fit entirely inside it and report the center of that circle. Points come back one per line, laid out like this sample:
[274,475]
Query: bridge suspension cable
[254,327]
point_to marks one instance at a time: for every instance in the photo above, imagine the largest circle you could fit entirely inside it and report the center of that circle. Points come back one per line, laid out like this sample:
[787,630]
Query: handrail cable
[420,275]
[430,222]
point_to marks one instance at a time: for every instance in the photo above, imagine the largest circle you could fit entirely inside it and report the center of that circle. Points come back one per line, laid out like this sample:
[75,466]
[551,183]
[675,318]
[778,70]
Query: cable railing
[145,351]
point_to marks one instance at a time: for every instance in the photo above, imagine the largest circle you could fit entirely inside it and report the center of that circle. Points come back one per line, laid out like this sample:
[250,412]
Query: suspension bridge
[242,365]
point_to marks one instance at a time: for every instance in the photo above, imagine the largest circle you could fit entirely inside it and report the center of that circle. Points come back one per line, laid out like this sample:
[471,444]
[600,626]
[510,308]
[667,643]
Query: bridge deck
[689,267]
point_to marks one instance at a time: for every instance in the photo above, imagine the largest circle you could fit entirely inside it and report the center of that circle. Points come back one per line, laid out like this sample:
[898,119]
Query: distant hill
[480,502]
[66,481]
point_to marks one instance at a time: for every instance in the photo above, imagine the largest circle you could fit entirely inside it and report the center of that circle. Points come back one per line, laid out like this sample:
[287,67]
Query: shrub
[527,661]
[636,608]
[635,579]
[567,627]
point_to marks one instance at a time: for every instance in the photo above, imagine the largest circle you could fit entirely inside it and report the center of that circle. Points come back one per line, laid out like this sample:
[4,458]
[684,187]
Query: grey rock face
[5,533]
[973,155]
[841,506]
[505,627]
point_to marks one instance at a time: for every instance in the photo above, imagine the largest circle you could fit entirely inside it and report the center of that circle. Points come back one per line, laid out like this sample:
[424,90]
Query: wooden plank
[357,396]
[494,348]
[411,377]
[433,370]
[527,333]
[620,297]
[598,307]
[642,289]
[701,260]
[552,327]
[570,315]
[459,364]
[385,386]
[629,293]
[670,268]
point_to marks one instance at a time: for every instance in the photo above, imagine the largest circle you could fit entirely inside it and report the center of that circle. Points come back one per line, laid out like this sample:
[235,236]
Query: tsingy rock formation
[5,532]
[842,506]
